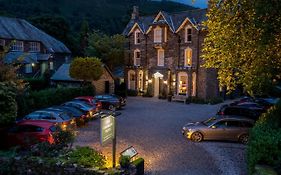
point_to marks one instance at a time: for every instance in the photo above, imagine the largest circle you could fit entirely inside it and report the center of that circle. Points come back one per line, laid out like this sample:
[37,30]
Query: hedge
[265,141]
[35,100]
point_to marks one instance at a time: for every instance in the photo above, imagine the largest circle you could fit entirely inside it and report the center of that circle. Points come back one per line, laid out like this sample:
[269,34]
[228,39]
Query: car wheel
[244,138]
[197,137]
[111,107]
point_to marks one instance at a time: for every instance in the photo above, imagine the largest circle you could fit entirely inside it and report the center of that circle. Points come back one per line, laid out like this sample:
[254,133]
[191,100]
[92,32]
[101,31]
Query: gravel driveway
[153,127]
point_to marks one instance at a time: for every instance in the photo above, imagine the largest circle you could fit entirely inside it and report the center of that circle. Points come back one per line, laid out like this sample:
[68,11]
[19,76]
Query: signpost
[108,133]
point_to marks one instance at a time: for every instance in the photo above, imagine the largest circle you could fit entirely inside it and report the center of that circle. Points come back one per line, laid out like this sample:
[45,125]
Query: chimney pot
[135,14]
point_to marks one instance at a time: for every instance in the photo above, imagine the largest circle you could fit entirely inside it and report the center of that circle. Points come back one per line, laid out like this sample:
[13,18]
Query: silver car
[235,128]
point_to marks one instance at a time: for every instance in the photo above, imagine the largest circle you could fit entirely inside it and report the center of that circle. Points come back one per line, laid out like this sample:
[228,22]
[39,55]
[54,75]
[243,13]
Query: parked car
[62,118]
[79,115]
[90,100]
[123,100]
[87,108]
[29,132]
[234,128]
[249,112]
[109,102]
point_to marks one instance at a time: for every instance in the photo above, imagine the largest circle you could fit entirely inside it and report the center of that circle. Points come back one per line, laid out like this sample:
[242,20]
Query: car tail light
[51,139]
[221,113]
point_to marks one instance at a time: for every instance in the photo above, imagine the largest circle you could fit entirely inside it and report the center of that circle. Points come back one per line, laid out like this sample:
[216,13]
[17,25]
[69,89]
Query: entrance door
[156,87]
[106,87]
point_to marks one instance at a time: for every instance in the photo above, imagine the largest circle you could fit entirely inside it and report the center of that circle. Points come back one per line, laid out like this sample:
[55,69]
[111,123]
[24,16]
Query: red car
[29,132]
[91,100]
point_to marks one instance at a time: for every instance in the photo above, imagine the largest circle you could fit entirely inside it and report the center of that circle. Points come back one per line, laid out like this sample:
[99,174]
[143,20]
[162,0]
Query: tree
[86,69]
[109,48]
[235,44]
[9,84]
[84,34]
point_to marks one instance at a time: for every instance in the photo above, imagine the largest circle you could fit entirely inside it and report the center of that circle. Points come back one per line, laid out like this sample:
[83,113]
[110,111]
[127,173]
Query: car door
[216,131]
[233,129]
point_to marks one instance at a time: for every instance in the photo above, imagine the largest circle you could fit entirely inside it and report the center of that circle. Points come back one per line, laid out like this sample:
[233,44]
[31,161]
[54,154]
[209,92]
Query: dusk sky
[197,3]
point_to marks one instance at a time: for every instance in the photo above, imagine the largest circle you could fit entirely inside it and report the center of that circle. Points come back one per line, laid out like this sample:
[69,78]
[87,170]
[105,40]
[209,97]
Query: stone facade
[181,41]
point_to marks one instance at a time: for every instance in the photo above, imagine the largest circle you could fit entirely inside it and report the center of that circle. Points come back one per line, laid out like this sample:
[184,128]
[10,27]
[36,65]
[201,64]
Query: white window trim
[158,57]
[186,34]
[136,34]
[135,57]
[34,47]
[156,34]
[185,57]
[17,46]
[182,74]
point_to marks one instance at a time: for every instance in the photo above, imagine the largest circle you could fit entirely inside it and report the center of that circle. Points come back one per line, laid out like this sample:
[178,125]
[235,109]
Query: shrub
[139,163]
[36,84]
[124,161]
[86,157]
[265,141]
[45,98]
[8,105]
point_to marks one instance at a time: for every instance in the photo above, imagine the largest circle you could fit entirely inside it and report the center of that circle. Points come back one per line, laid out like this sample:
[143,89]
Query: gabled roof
[19,29]
[173,20]
[25,58]
[62,74]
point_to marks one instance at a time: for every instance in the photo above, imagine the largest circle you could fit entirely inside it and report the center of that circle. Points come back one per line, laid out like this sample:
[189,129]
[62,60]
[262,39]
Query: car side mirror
[213,127]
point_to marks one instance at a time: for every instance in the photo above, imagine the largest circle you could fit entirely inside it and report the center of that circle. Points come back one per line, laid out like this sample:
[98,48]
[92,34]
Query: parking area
[153,127]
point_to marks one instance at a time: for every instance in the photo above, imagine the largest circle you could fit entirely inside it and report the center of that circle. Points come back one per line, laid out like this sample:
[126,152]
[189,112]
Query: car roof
[41,123]
[232,117]
[84,97]
[51,111]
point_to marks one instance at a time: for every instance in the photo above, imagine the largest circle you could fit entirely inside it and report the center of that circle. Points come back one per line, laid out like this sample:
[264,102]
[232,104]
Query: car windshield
[64,116]
[209,121]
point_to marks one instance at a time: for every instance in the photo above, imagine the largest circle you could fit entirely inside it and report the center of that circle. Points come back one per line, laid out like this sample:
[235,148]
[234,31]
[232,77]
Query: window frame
[137,37]
[28,68]
[17,46]
[2,42]
[34,46]
[158,57]
[188,34]
[137,59]
[157,35]
[187,58]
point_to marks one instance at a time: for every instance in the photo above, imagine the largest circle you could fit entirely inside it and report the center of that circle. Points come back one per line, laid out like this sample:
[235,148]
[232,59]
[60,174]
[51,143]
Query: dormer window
[188,34]
[157,35]
[17,46]
[188,57]
[137,37]
[160,57]
[137,57]
[34,47]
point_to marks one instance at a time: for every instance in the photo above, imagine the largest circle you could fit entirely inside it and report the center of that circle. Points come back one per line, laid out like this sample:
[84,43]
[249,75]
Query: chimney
[135,14]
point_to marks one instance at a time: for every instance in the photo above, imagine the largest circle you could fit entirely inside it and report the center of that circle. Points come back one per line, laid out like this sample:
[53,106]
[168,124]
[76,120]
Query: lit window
[137,57]
[182,82]
[157,35]
[161,56]
[193,84]
[28,68]
[17,46]
[188,57]
[188,34]
[34,47]
[51,65]
[166,34]
[131,80]
[137,37]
